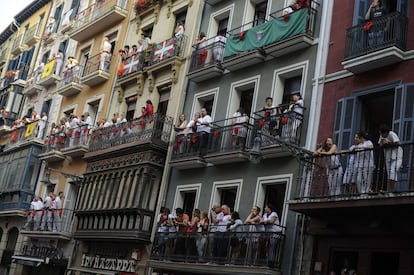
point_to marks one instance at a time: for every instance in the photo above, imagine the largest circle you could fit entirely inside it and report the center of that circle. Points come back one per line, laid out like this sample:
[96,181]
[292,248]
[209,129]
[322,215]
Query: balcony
[228,142]
[14,202]
[59,226]
[130,68]
[167,55]
[32,36]
[129,134]
[17,47]
[98,18]
[30,133]
[116,224]
[280,36]
[36,255]
[32,88]
[355,182]
[70,85]
[147,6]
[368,47]
[96,70]
[206,60]
[234,252]
[48,76]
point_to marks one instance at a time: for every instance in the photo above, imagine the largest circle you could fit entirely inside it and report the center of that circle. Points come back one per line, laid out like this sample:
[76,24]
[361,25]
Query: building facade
[355,201]
[248,154]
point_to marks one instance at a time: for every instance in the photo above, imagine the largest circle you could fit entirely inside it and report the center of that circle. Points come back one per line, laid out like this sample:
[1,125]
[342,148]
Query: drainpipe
[320,70]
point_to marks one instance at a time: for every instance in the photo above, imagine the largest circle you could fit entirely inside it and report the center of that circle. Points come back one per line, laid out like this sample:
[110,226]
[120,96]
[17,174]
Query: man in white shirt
[49,206]
[105,54]
[203,130]
[57,222]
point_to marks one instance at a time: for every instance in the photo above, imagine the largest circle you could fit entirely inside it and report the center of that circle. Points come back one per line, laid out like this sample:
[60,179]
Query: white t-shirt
[204,128]
[272,227]
[392,153]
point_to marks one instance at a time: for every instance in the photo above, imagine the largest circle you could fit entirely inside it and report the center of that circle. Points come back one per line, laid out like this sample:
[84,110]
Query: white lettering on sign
[98,262]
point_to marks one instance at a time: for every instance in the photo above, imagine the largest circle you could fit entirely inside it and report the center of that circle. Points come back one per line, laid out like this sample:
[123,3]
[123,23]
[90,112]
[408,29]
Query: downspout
[320,70]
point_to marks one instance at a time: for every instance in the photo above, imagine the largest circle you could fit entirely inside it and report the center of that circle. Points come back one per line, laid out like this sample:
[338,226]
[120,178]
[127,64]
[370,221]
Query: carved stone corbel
[175,71]
[157,9]
[120,93]
[140,84]
[151,82]
[138,23]
[169,5]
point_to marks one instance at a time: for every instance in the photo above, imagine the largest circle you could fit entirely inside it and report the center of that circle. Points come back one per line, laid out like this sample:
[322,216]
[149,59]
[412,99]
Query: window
[227,192]
[131,107]
[187,197]
[45,57]
[205,100]
[289,80]
[222,26]
[92,109]
[58,17]
[181,16]
[164,98]
[148,31]
[260,13]
[274,190]
[361,8]
[46,107]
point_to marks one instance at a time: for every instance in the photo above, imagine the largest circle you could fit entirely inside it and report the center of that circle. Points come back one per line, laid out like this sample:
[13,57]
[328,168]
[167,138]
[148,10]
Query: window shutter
[360,9]
[344,120]
[404,113]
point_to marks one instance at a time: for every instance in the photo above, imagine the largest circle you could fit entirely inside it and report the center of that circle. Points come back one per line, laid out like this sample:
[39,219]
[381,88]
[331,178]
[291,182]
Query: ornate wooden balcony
[381,44]
[124,224]
[14,202]
[96,70]
[97,18]
[70,85]
[355,181]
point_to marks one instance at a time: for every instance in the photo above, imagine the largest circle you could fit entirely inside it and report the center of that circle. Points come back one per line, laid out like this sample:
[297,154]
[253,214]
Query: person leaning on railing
[375,33]
[334,170]
[393,154]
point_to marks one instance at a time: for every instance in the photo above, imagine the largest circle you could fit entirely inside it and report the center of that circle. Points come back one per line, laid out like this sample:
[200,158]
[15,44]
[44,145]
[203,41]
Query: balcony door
[361,8]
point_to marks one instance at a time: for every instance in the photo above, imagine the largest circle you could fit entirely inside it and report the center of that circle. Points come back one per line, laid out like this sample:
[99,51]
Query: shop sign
[113,264]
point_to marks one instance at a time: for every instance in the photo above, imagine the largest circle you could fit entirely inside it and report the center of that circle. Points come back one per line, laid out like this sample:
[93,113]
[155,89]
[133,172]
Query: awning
[29,261]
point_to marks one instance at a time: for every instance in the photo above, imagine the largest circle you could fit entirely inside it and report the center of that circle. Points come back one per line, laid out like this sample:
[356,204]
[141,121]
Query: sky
[7,12]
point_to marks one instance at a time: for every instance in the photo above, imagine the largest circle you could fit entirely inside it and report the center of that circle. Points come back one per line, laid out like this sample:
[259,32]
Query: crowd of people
[219,235]
[45,214]
[359,172]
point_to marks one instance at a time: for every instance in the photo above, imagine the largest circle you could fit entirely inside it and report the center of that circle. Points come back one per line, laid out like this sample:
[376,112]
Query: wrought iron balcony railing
[138,130]
[132,64]
[32,34]
[245,247]
[357,173]
[278,125]
[25,131]
[71,75]
[42,252]
[260,35]
[383,32]
[225,136]
[207,53]
[51,220]
[143,6]
[96,63]
[167,49]
[97,10]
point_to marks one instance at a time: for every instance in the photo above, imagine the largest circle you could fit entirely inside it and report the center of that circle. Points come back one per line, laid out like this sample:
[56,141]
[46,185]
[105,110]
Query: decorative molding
[175,68]
[190,3]
[121,93]
[157,9]
[169,5]
[126,161]
[138,23]
[140,84]
[151,82]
